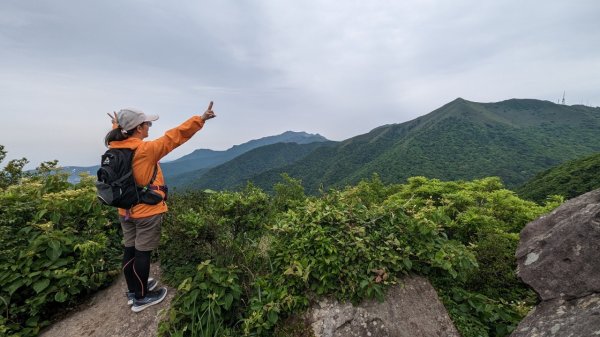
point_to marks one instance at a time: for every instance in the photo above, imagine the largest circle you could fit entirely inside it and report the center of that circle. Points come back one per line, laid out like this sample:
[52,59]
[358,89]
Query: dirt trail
[107,314]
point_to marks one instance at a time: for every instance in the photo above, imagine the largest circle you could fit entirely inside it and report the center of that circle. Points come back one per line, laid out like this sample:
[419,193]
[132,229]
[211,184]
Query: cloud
[336,68]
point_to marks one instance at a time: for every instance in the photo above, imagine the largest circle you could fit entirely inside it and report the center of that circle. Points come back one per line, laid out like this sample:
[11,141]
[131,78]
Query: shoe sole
[142,307]
[130,302]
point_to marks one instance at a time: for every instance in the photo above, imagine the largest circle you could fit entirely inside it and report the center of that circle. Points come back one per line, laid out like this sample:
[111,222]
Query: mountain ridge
[203,159]
[252,162]
[512,139]
[569,179]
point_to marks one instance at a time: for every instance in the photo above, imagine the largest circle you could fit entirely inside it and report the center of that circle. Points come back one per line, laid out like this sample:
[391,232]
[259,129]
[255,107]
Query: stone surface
[561,318]
[558,254]
[107,314]
[409,310]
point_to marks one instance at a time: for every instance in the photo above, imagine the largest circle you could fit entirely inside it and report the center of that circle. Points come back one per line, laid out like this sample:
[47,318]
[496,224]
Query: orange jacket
[147,155]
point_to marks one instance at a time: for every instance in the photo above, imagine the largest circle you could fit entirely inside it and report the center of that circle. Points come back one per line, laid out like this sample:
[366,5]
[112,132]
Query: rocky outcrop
[558,317]
[559,257]
[409,310]
[558,254]
[106,313]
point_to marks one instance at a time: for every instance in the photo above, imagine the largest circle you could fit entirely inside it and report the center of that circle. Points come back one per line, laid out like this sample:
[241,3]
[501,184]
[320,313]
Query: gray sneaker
[152,283]
[151,298]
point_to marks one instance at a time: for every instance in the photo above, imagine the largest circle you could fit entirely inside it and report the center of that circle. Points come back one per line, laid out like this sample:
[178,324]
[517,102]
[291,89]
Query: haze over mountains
[513,139]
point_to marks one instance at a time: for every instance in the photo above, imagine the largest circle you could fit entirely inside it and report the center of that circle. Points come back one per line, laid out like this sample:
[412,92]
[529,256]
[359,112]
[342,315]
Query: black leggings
[136,268]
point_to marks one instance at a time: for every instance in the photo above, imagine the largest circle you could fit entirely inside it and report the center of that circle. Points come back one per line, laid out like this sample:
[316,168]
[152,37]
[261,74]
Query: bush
[487,218]
[207,304]
[58,246]
[350,244]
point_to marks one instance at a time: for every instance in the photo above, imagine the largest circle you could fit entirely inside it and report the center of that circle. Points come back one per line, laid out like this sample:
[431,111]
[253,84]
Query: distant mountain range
[513,139]
[201,160]
[244,167]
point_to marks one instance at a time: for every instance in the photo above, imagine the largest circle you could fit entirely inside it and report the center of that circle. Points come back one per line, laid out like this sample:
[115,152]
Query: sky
[339,68]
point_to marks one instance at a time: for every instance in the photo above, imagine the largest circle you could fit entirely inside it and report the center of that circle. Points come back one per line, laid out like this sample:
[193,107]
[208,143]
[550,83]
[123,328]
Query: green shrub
[227,228]
[487,218]
[289,194]
[214,226]
[59,245]
[207,304]
[352,244]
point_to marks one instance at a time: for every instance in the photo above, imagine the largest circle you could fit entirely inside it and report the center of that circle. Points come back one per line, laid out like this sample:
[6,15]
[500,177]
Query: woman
[141,224]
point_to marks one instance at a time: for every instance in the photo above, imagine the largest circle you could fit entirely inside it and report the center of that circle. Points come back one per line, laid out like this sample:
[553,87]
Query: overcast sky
[337,68]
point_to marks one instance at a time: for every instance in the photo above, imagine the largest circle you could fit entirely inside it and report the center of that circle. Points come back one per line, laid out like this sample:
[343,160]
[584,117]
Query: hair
[117,134]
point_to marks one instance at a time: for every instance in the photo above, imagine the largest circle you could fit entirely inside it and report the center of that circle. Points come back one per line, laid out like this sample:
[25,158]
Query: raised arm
[175,137]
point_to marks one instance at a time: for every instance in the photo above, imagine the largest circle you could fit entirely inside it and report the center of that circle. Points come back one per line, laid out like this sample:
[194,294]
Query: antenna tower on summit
[563,99]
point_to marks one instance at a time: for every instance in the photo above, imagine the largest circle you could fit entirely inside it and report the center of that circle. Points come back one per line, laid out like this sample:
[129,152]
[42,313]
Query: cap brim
[151,118]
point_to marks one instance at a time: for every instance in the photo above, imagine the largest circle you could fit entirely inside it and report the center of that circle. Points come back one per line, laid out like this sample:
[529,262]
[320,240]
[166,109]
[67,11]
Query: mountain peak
[299,137]
[204,158]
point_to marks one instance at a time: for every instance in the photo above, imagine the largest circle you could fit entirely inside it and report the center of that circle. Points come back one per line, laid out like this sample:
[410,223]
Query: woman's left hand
[113,118]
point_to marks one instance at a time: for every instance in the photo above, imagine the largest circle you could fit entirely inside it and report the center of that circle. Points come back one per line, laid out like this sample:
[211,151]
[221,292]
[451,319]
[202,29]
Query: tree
[13,171]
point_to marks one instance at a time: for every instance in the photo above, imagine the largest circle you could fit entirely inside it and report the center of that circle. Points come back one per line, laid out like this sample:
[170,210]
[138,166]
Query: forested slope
[513,140]
[569,180]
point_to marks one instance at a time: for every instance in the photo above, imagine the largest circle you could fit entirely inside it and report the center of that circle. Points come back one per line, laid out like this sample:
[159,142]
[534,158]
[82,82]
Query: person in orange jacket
[141,224]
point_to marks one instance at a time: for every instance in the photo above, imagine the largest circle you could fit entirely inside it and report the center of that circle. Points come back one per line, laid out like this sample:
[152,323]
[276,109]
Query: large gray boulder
[559,255]
[412,309]
[558,317]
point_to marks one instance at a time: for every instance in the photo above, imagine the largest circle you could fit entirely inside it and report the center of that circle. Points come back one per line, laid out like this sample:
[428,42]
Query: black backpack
[116,186]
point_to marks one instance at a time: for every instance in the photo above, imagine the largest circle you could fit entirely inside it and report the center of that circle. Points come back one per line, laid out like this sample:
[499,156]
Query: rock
[558,257]
[558,317]
[409,310]
[558,254]
[107,314]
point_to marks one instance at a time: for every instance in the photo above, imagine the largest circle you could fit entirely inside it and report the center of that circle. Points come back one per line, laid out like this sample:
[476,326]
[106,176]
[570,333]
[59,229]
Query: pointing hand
[208,114]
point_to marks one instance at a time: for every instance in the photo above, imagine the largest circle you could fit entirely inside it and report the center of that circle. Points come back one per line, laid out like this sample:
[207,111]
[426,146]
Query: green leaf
[273,317]
[54,250]
[32,321]
[14,286]
[228,301]
[40,214]
[407,263]
[39,286]
[61,296]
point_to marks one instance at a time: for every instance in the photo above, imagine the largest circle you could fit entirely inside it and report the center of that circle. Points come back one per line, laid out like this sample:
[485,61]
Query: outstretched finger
[210,106]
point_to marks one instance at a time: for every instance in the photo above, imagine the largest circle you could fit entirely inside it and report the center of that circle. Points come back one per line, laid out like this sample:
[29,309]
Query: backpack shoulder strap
[154,174]
[155,168]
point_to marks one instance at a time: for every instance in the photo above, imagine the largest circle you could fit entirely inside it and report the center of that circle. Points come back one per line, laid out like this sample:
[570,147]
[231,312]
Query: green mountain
[203,159]
[569,179]
[242,168]
[190,167]
[513,139]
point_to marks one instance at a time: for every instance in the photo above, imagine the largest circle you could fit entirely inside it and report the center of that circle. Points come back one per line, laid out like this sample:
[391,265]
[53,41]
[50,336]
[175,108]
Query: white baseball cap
[130,118]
